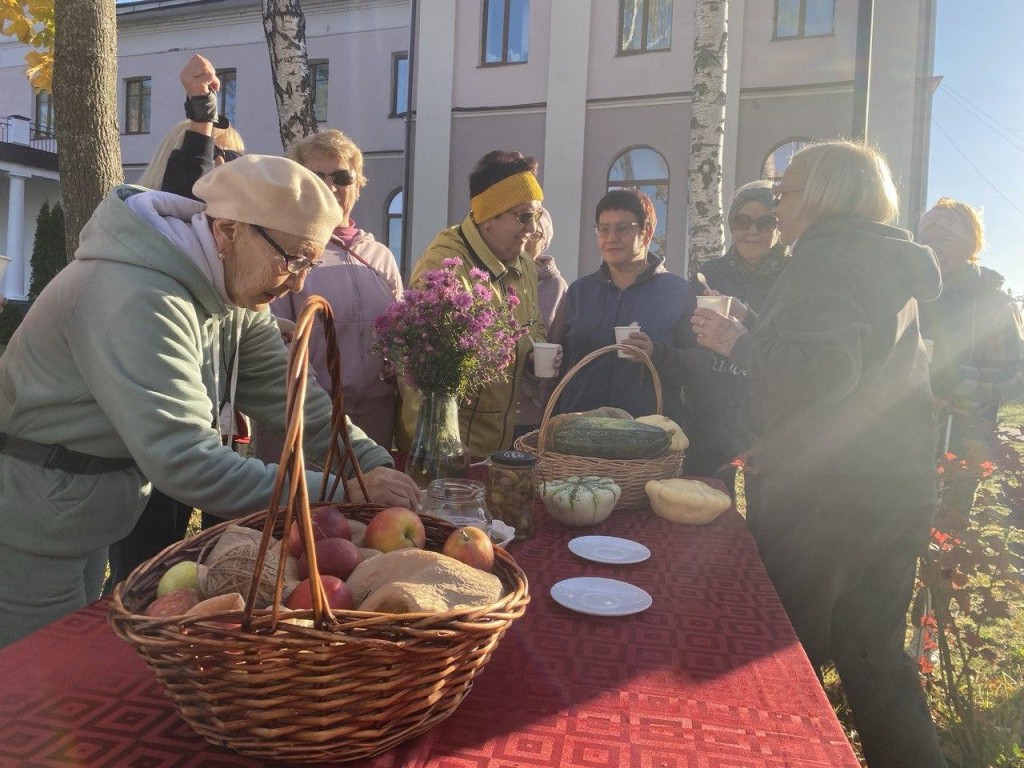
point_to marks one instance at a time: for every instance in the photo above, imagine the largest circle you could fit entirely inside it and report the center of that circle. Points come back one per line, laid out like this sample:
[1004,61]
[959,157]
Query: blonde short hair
[845,178]
[969,216]
[153,176]
[334,144]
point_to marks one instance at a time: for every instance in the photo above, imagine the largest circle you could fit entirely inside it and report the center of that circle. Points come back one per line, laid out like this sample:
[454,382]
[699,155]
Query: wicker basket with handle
[353,684]
[629,474]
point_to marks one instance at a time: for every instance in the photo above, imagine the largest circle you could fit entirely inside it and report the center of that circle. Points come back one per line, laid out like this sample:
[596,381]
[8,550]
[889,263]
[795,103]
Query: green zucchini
[608,438]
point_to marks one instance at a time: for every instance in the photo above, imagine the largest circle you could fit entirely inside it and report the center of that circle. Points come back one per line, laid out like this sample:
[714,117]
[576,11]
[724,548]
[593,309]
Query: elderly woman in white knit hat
[116,377]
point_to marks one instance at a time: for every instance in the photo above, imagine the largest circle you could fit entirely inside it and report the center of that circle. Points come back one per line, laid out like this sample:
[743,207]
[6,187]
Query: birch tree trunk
[707,131]
[285,29]
[85,108]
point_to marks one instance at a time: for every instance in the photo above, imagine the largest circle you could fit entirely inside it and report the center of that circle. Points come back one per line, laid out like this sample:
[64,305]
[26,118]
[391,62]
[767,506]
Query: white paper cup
[719,304]
[4,261]
[544,359]
[929,349]
[622,334]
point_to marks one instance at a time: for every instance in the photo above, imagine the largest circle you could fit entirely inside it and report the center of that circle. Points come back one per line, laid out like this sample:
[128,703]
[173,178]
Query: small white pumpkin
[580,501]
[680,442]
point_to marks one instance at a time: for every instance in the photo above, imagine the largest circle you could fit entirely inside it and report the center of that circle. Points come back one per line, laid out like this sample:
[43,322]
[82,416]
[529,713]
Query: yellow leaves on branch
[32,22]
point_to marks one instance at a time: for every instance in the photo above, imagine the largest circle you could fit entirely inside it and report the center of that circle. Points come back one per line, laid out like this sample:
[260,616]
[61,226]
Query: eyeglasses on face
[620,230]
[294,264]
[778,192]
[742,223]
[343,178]
[227,155]
[525,217]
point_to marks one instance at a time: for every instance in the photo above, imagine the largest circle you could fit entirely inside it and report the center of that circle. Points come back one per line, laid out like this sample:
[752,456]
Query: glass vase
[437,449]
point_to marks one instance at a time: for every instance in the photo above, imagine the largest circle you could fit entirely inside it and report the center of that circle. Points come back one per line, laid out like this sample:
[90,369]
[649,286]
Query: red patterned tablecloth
[711,675]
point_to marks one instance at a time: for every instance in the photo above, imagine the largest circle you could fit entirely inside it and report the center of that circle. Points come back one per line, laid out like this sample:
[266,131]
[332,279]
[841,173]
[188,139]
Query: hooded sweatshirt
[838,376]
[360,282]
[128,353]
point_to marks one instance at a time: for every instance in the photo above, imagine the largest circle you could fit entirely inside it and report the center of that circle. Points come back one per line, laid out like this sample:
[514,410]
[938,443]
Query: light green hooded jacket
[116,359]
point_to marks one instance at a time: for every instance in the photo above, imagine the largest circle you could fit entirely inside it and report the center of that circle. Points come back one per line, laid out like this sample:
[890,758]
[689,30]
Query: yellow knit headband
[505,195]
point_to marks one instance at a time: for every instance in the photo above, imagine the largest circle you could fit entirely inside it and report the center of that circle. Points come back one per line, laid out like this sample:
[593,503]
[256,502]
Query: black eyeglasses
[525,217]
[294,264]
[342,178]
[227,155]
[741,222]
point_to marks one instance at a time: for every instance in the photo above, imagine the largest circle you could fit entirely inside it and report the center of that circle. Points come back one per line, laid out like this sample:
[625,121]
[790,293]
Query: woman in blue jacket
[631,286]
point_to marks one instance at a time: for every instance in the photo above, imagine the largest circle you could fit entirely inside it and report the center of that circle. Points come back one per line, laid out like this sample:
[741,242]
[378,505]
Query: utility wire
[1011,140]
[960,96]
[976,168]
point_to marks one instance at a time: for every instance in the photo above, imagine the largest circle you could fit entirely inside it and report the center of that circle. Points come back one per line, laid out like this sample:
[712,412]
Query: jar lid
[514,458]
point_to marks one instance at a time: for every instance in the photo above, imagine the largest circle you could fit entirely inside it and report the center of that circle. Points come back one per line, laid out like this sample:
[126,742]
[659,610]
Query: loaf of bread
[414,580]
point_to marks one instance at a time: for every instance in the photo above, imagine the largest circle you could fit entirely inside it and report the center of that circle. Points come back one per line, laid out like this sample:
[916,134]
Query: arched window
[778,159]
[646,170]
[393,221]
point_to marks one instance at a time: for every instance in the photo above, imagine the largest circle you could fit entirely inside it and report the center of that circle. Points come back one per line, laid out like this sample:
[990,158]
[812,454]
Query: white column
[435,73]
[565,125]
[16,281]
[733,75]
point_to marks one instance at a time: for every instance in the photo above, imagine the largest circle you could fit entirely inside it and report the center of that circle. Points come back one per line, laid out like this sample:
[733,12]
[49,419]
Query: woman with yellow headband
[976,334]
[505,200]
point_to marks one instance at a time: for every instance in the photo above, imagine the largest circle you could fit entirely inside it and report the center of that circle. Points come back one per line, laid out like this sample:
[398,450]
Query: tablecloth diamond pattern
[711,676]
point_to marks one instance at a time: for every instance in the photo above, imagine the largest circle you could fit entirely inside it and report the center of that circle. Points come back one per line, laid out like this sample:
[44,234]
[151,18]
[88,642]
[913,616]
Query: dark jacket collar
[655,265]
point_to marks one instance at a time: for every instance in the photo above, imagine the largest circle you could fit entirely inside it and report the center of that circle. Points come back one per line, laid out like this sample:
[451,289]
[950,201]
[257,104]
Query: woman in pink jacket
[360,278]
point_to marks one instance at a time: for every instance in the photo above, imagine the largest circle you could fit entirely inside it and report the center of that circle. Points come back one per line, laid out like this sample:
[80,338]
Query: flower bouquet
[447,335]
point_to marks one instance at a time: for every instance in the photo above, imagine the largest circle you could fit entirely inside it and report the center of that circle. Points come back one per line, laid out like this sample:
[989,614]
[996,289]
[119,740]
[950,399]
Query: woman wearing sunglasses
[360,278]
[746,272]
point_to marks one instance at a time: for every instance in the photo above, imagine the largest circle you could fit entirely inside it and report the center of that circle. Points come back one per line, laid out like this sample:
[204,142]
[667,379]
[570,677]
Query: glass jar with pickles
[510,490]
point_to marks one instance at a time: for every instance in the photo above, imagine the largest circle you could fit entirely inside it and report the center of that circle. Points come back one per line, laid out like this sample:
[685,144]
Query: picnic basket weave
[350,686]
[631,475]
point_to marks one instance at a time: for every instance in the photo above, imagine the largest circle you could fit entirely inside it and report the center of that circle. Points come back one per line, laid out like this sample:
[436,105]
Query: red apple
[331,523]
[334,557]
[395,528]
[328,523]
[338,594]
[174,603]
[472,546]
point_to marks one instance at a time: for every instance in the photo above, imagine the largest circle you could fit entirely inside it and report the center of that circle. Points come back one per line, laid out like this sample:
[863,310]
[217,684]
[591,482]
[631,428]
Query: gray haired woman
[841,480]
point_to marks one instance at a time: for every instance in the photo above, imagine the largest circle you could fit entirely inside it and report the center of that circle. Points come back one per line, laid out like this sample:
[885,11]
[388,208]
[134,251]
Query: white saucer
[600,597]
[501,533]
[609,549]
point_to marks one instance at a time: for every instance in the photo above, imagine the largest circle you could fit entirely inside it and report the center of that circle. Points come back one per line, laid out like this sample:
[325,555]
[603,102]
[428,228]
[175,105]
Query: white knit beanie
[273,192]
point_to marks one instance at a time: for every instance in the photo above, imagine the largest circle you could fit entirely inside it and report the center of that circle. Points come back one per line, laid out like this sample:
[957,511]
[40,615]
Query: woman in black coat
[841,481]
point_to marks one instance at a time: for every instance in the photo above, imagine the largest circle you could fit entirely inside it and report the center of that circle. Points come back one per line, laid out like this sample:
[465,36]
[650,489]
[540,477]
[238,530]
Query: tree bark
[707,132]
[285,29]
[85,108]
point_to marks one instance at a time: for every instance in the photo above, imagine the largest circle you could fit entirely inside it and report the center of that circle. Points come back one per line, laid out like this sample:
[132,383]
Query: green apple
[183,575]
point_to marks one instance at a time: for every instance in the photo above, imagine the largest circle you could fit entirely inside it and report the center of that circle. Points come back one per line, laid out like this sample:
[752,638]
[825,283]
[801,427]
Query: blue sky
[977,139]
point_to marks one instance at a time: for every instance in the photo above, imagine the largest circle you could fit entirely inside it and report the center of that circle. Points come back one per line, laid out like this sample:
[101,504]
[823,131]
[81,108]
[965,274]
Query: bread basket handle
[635,351]
[293,465]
